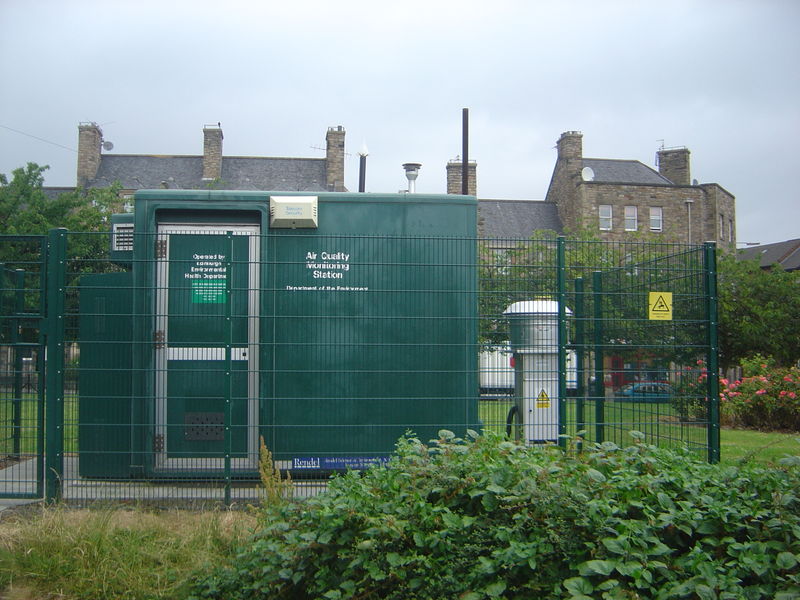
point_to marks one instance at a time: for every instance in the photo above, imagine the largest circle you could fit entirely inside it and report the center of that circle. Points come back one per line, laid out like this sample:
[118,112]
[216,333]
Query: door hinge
[159,339]
[161,249]
[158,442]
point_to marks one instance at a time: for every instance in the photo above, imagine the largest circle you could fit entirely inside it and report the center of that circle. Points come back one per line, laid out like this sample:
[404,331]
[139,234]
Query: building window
[606,216]
[656,218]
[721,227]
[731,235]
[631,218]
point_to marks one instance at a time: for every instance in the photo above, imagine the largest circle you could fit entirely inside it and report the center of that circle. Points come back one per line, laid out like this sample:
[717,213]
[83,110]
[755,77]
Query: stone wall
[691,214]
[721,223]
[566,177]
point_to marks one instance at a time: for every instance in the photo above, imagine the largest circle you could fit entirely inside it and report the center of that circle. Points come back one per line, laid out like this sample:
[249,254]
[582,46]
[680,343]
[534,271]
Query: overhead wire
[38,138]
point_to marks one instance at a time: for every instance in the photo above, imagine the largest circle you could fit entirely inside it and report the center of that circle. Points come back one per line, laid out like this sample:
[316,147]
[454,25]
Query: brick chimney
[674,165]
[334,159]
[212,152]
[90,140]
[454,170]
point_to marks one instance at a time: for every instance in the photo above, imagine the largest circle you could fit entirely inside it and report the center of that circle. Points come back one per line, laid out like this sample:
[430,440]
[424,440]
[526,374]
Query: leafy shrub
[488,518]
[767,397]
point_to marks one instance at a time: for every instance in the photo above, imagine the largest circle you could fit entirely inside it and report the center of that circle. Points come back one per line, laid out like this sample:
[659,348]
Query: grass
[112,553]
[655,420]
[658,421]
[737,445]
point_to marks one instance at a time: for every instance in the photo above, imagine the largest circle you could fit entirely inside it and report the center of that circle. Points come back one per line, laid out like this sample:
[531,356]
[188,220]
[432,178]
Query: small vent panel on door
[201,426]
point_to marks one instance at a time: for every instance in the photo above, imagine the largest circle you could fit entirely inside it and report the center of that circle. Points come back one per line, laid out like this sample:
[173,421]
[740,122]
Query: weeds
[275,489]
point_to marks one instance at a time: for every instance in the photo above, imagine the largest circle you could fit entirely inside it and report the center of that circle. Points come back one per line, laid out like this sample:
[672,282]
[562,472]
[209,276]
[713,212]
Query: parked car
[646,391]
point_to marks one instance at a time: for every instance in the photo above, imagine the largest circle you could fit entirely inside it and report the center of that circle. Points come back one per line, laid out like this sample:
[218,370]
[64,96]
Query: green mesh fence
[169,371]
[21,366]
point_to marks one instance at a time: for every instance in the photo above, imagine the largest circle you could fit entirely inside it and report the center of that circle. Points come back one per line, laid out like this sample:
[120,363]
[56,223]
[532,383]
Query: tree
[758,312]
[25,209]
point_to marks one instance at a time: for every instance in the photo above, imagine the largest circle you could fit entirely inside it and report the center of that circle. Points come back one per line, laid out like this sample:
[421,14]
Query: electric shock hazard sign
[660,306]
[542,401]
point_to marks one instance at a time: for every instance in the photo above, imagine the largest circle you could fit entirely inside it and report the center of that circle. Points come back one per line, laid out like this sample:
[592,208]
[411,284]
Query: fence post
[578,342]
[228,368]
[599,390]
[712,382]
[54,364]
[561,282]
[15,324]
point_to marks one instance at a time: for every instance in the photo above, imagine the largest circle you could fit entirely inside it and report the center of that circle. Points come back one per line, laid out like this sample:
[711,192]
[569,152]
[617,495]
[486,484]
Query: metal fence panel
[21,366]
[168,372]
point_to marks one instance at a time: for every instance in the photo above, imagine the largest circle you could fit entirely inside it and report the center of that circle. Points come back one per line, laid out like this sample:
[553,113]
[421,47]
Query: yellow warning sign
[542,401]
[660,306]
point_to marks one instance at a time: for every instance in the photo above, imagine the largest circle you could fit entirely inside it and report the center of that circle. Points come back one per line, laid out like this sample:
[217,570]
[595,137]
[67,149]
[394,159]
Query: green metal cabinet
[328,342]
[105,423]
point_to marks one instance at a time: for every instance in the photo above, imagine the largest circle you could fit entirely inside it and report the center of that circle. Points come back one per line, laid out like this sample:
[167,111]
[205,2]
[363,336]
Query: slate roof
[54,192]
[608,170]
[787,254]
[140,171]
[516,218]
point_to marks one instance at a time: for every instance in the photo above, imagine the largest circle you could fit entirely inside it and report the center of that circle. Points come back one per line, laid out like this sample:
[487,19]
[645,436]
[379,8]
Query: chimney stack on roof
[212,152]
[90,140]
[673,163]
[454,172]
[570,145]
[334,158]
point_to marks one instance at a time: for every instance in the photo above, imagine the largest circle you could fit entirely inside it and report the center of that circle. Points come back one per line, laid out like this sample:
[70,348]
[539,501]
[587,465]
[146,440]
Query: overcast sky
[718,77]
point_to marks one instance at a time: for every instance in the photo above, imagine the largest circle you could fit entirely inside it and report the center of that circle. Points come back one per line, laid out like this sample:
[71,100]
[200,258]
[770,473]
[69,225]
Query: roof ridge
[200,156]
[618,160]
[509,200]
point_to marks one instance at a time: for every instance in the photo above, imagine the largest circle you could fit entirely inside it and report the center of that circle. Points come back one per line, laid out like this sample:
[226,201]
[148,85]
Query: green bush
[767,397]
[488,518]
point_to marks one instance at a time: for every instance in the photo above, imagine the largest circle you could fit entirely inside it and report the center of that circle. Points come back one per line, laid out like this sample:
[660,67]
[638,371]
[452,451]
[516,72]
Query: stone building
[210,170]
[623,199]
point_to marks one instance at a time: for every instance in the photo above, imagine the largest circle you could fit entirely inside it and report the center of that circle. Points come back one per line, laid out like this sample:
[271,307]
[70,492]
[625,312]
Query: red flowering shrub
[691,392]
[767,397]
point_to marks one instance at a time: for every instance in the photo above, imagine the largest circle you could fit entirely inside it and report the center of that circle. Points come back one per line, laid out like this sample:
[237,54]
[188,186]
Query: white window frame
[631,218]
[656,218]
[605,219]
